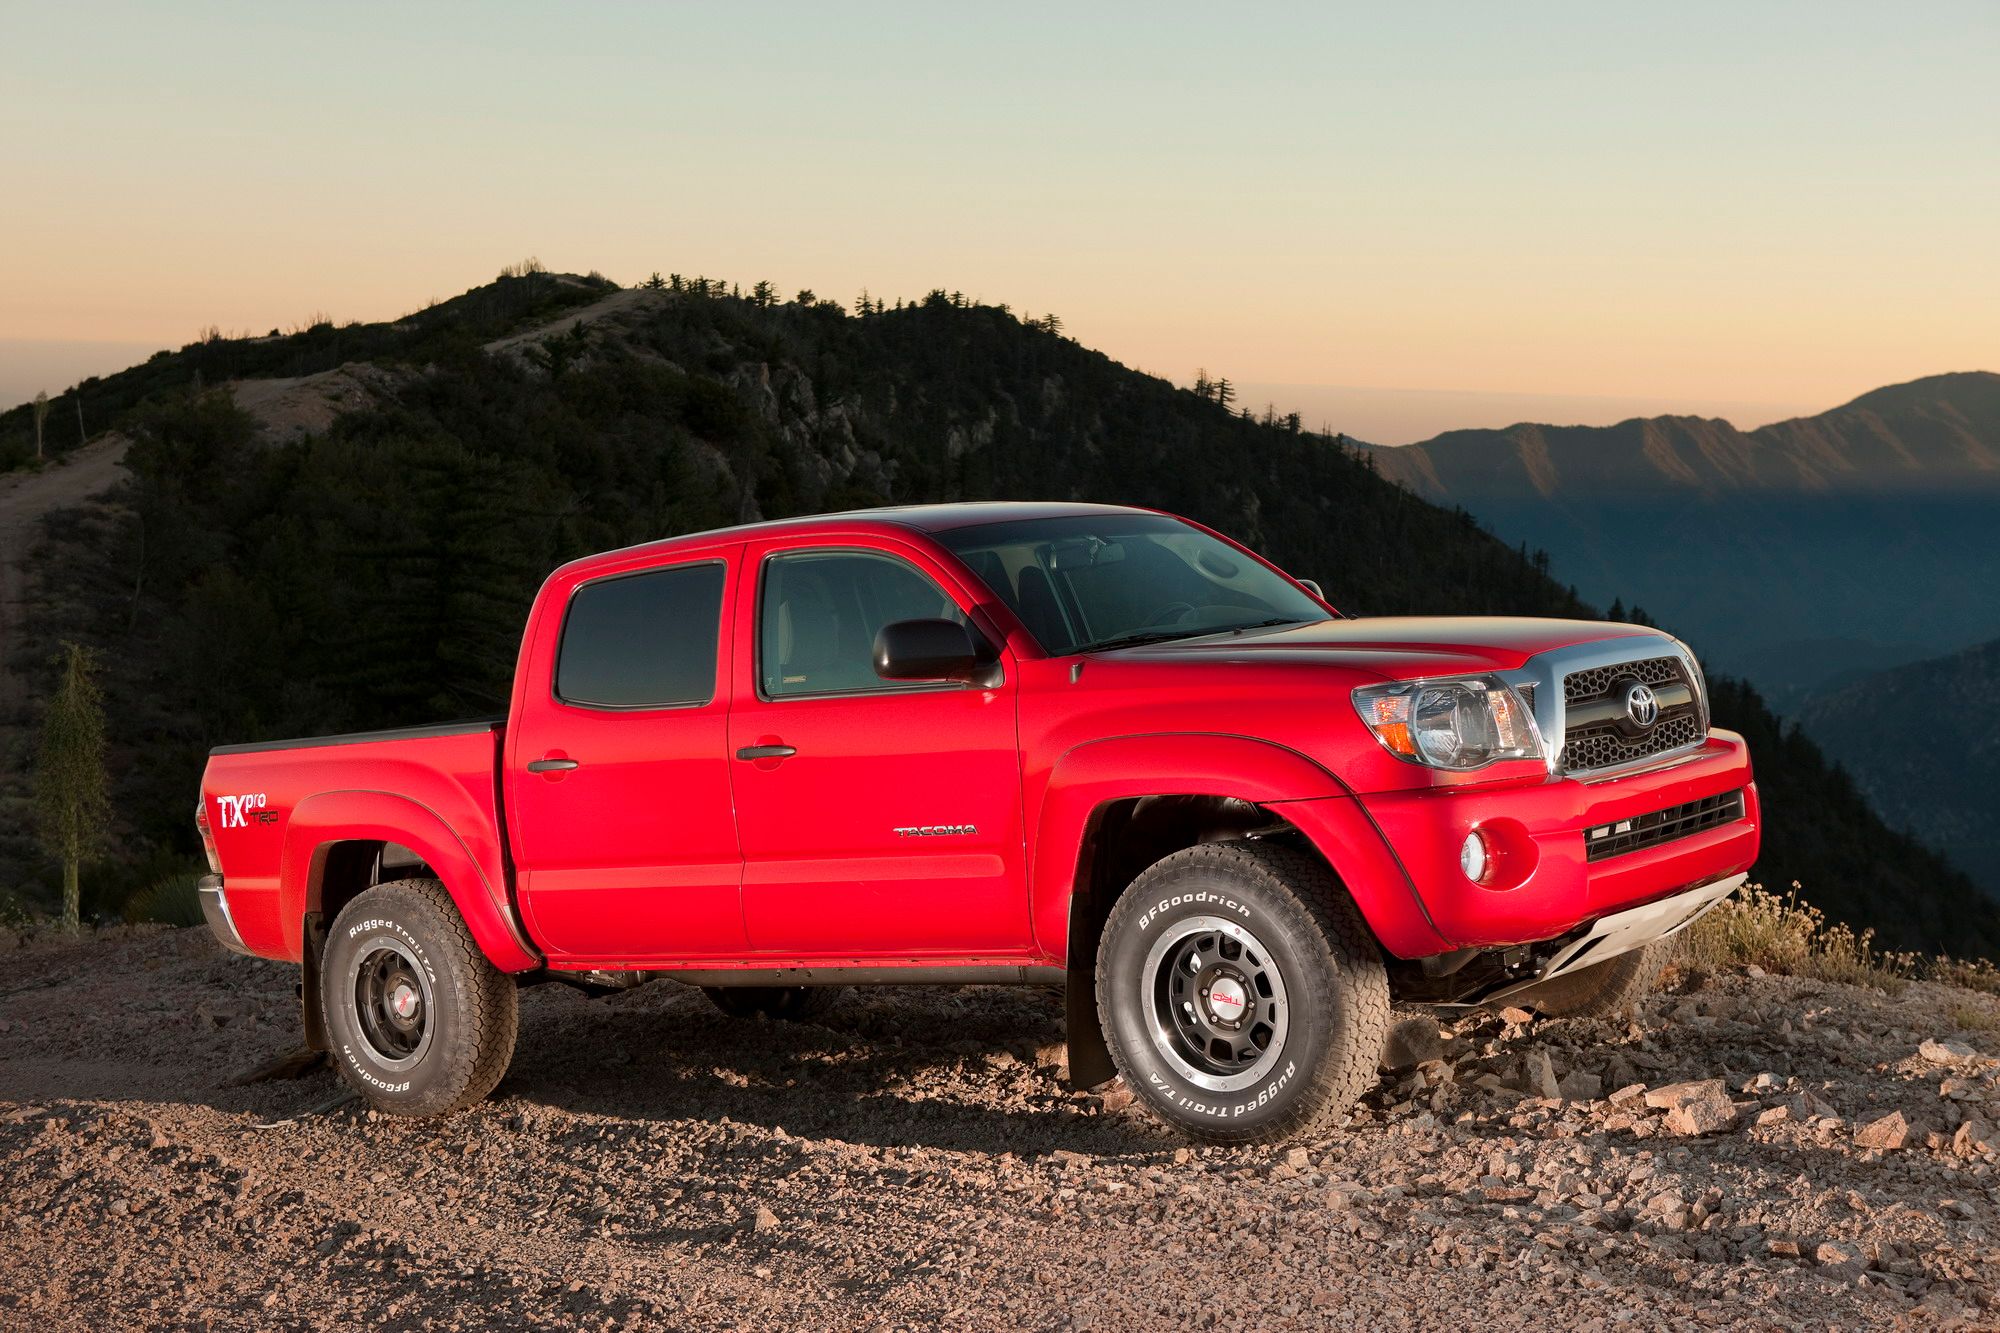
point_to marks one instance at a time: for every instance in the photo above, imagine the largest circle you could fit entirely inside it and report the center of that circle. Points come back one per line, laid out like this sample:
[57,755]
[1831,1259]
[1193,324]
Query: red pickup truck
[1046,744]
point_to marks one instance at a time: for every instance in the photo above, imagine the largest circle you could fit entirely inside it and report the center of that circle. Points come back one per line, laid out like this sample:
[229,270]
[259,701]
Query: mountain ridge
[1794,552]
[1955,418]
[264,577]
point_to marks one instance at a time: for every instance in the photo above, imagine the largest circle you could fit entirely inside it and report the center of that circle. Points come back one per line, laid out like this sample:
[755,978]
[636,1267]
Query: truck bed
[431,789]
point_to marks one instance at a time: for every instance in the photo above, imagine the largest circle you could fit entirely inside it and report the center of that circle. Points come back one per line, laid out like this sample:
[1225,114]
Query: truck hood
[1398,647]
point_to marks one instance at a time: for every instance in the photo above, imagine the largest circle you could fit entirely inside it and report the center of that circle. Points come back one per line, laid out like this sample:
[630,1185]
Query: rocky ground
[1757,1151]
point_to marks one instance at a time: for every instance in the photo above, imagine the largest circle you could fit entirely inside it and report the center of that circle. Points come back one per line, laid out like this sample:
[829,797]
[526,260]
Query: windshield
[1113,580]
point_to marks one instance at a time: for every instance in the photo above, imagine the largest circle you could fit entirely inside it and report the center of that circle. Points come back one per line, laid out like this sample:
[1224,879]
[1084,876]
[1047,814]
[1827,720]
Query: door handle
[551,765]
[767,752]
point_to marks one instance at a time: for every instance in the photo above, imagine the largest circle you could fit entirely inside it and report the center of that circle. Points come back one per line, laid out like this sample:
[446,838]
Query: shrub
[1976,1018]
[1980,974]
[171,899]
[1790,936]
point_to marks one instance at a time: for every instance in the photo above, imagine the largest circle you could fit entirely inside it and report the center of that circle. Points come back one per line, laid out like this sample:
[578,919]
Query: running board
[831,976]
[1622,932]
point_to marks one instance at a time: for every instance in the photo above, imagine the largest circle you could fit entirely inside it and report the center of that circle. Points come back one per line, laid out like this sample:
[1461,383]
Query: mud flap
[314,948]
[1089,1058]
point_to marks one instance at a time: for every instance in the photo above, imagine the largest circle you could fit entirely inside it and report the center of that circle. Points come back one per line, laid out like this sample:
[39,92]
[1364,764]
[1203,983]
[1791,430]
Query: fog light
[1472,857]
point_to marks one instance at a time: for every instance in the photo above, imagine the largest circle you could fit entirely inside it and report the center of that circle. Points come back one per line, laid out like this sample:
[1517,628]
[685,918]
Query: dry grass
[1976,1018]
[1791,936]
[1980,974]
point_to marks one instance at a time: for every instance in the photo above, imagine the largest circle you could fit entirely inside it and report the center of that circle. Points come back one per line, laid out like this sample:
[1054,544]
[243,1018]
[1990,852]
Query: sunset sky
[1394,219]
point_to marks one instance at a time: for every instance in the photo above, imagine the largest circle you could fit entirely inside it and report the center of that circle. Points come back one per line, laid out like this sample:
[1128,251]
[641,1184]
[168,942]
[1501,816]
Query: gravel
[1754,1150]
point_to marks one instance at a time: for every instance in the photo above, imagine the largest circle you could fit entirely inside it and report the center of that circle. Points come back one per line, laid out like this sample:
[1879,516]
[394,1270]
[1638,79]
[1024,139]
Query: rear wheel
[796,1004]
[1614,986]
[421,1023]
[1241,994]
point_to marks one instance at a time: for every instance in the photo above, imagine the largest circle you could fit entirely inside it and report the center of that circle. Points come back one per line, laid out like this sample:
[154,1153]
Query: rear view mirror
[1081,553]
[931,650]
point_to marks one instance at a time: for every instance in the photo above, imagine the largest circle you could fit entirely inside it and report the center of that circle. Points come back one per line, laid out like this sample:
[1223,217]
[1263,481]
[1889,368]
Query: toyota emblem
[1641,704]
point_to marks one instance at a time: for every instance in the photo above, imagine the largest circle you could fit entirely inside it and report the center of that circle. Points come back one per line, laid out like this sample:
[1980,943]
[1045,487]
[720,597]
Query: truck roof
[921,518]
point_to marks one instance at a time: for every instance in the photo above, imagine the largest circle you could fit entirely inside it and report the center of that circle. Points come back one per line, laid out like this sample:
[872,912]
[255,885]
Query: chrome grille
[1593,683]
[1596,734]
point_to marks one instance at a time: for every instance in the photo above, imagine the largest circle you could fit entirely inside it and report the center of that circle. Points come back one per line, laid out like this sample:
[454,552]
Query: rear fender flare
[477,887]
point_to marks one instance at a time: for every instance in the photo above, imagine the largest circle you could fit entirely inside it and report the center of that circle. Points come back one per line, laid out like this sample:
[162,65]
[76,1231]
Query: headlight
[1459,724]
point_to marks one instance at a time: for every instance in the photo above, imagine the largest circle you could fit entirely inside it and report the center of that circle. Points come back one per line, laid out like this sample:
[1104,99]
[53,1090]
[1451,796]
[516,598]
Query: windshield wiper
[1261,624]
[1143,637]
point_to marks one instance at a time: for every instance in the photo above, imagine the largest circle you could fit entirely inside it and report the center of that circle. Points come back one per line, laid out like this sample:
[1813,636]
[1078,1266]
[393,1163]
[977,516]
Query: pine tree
[72,803]
[1225,392]
[41,415]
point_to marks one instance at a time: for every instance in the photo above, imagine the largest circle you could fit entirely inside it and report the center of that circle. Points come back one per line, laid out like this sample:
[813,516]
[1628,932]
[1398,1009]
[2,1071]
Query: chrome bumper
[1633,928]
[215,908]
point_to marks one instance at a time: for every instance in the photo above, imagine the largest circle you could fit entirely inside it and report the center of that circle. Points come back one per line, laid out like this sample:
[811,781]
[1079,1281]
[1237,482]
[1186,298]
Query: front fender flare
[1263,773]
[1091,775]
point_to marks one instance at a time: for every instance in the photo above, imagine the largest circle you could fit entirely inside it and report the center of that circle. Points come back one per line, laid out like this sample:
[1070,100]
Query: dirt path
[914,1161]
[288,407]
[25,499]
[625,301]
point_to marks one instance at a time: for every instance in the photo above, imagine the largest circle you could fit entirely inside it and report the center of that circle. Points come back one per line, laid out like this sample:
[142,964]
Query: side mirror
[1312,586]
[932,650]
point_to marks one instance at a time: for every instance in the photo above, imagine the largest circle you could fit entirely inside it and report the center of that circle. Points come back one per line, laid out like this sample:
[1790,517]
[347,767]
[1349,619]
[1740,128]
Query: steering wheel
[1169,613]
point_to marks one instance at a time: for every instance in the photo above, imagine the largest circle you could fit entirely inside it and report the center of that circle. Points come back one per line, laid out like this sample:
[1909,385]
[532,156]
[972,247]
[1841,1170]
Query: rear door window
[646,640]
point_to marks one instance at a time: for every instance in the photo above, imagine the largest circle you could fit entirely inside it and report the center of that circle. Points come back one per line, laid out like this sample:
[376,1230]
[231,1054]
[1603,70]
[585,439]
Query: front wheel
[1241,994]
[421,1023]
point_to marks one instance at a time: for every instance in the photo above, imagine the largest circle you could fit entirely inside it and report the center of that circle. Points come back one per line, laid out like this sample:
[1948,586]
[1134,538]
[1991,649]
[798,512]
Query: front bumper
[215,910]
[1559,887]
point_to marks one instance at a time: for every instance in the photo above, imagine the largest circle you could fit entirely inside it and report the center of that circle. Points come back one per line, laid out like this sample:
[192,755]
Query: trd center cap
[1227,1001]
[403,1001]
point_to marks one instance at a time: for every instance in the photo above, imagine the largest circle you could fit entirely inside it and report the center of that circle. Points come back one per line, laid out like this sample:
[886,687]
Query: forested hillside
[254,584]
[1945,789]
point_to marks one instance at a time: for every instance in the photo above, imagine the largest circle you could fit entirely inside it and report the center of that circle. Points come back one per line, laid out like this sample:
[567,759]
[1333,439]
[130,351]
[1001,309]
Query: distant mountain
[1923,743]
[1865,536]
[343,528]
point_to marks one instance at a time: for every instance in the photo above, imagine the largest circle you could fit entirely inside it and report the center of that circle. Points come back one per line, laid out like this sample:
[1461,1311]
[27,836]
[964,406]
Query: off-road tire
[469,1009]
[794,1004]
[1614,986]
[1336,1005]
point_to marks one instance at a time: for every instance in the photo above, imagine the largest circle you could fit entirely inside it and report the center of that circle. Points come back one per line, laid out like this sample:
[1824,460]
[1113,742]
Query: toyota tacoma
[1070,745]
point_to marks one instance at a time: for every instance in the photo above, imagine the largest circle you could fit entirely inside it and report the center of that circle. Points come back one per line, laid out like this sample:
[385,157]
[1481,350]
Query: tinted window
[821,611]
[642,640]
[1100,580]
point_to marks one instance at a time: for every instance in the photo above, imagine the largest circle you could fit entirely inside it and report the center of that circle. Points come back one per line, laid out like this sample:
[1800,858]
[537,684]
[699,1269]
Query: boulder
[1975,1137]
[1945,1052]
[1410,1043]
[1698,1107]
[1708,1114]
[1678,1094]
[1578,1086]
[1538,1074]
[1887,1132]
